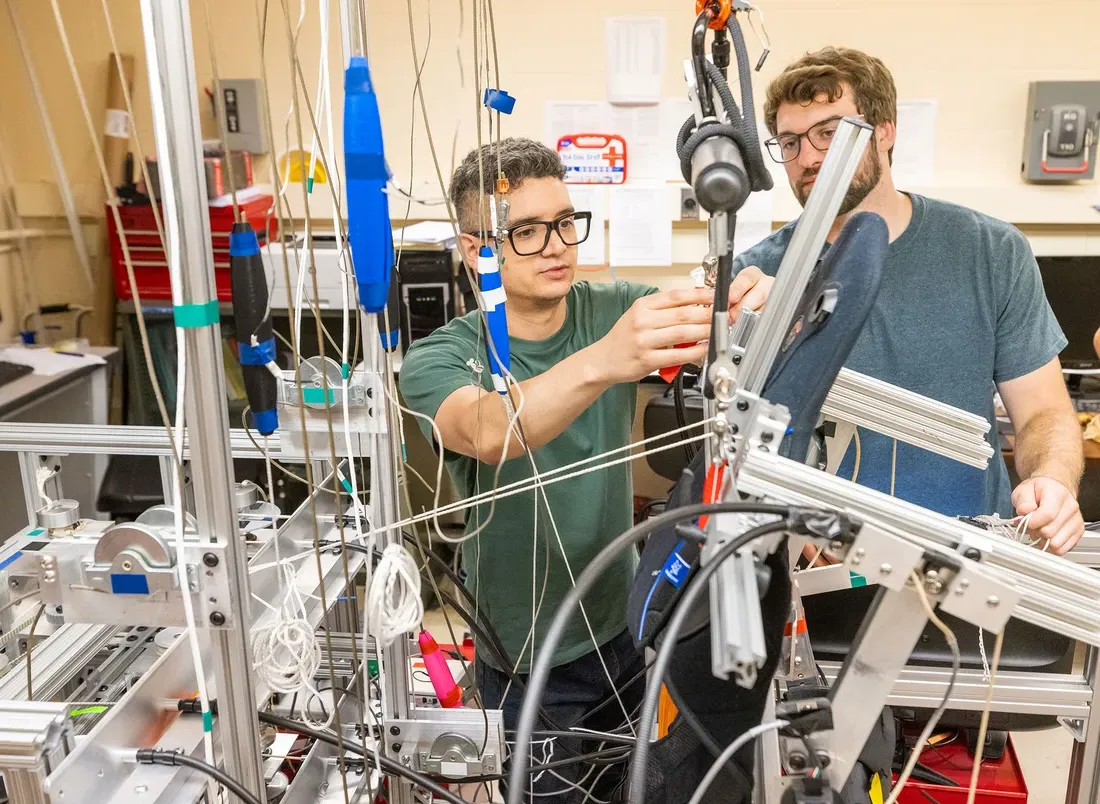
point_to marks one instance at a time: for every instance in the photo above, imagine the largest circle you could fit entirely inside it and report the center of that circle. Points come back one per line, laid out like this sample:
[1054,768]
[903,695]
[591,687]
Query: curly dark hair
[520,159]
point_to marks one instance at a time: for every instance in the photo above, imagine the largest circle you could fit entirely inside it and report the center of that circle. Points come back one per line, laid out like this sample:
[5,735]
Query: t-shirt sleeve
[1028,334]
[434,368]
[630,292]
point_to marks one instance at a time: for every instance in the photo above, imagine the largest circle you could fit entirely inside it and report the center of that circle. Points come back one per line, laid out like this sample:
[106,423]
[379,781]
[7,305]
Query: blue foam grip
[498,100]
[122,584]
[243,243]
[266,421]
[369,231]
[259,355]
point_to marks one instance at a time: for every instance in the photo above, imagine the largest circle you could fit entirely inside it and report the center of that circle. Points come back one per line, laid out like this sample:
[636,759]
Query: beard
[866,179]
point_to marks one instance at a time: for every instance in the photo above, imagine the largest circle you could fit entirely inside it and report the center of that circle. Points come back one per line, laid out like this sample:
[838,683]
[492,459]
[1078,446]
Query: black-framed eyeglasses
[786,147]
[532,237]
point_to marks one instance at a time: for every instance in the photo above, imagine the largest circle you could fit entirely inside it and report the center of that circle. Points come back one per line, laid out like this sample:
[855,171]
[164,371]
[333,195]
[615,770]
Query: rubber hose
[744,74]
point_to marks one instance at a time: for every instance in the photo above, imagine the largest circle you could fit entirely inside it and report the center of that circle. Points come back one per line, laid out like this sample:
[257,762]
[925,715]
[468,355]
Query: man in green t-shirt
[577,351]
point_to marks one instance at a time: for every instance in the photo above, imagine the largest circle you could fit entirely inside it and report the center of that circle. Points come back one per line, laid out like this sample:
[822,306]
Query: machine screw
[835,544]
[127,565]
[210,560]
[993,601]
[742,406]
[932,583]
[217,618]
[960,590]
[736,360]
[406,759]
[394,730]
[395,747]
[13,583]
[734,429]
[885,569]
[796,761]
[488,763]
[767,437]
[141,789]
[973,553]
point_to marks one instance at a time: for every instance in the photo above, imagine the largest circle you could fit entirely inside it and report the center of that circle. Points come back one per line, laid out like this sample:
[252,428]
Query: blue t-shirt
[961,307]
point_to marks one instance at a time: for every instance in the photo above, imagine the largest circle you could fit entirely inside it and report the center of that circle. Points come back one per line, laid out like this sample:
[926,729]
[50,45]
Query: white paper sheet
[635,59]
[640,126]
[429,232]
[592,198]
[573,117]
[915,148]
[674,111]
[46,363]
[754,221]
[640,226]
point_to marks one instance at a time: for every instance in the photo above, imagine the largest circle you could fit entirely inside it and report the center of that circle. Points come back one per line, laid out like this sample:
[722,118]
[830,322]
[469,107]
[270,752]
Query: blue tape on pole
[390,339]
[498,100]
[266,422]
[129,584]
[243,244]
[259,355]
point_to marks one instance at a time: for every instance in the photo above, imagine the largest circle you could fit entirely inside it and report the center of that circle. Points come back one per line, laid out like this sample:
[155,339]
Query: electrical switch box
[243,100]
[1062,131]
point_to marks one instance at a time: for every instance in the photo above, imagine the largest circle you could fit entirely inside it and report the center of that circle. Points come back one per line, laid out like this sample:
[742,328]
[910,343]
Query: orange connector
[722,14]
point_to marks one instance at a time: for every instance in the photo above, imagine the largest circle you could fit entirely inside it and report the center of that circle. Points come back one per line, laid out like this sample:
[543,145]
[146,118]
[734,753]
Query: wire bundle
[394,605]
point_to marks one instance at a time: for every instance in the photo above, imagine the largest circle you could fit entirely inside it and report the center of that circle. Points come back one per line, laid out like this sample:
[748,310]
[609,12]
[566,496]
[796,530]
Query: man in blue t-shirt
[961,311]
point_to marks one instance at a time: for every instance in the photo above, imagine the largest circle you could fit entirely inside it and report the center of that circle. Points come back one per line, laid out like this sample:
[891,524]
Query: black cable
[696,587]
[680,404]
[154,756]
[540,672]
[701,731]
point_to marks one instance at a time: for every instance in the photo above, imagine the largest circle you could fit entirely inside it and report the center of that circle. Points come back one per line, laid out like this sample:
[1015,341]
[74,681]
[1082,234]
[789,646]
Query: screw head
[217,618]
[127,565]
[394,730]
[742,406]
[973,553]
[210,560]
[734,429]
[406,759]
[767,436]
[736,360]
[395,747]
[993,601]
[885,569]
[796,761]
[141,789]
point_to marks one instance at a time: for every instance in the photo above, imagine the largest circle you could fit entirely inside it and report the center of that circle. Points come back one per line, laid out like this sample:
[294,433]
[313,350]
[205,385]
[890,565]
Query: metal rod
[841,162]
[179,146]
[64,188]
[89,439]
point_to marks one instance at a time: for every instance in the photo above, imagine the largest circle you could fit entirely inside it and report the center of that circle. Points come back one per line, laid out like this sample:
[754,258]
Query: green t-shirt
[502,562]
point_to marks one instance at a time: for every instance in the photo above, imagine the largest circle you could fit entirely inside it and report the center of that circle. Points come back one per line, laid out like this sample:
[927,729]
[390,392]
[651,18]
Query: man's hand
[645,338]
[749,291]
[1055,514]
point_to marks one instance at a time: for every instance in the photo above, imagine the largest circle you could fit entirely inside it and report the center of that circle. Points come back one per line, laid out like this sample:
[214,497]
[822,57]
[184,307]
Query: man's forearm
[551,402]
[1050,445]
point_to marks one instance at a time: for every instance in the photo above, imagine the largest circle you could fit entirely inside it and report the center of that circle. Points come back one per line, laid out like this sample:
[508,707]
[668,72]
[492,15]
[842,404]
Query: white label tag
[118,124]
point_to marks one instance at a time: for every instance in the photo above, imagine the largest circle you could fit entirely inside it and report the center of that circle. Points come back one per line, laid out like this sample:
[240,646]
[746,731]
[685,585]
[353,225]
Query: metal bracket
[447,741]
[882,558]
[975,596]
[1077,727]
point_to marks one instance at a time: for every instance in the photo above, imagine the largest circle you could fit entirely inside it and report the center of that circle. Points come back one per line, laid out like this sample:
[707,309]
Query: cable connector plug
[193,706]
[833,525]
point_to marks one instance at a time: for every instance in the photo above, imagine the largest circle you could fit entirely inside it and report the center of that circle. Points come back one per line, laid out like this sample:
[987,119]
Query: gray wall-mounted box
[243,100]
[1062,131]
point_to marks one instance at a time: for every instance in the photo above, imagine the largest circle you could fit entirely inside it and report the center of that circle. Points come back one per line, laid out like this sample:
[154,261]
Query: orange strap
[718,21]
[796,628]
[712,485]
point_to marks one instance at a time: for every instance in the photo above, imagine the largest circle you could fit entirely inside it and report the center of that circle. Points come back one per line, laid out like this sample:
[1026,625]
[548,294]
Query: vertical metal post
[167,28]
[1084,763]
[383,481]
[64,188]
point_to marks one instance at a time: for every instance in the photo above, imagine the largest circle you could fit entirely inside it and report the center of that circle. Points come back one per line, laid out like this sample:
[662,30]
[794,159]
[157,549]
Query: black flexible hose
[699,59]
[696,587]
[540,672]
[154,756]
[752,139]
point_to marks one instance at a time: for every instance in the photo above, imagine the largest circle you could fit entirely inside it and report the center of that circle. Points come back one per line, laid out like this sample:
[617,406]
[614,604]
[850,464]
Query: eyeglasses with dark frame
[532,237]
[786,147]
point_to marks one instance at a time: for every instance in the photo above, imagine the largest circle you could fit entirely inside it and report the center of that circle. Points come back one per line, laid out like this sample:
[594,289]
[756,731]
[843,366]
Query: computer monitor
[1073,288]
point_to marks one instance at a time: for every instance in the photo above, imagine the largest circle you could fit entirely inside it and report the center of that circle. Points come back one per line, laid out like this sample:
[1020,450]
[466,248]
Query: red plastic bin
[147,251]
[999,781]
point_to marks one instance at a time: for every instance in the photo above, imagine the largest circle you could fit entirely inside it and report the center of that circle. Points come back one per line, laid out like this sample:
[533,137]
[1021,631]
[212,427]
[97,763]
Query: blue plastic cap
[498,100]
[28,337]
[266,421]
[373,296]
[357,77]
[243,244]
[485,251]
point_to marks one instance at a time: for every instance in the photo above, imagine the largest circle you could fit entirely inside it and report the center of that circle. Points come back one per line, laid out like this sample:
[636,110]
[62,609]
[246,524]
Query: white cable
[730,750]
[394,605]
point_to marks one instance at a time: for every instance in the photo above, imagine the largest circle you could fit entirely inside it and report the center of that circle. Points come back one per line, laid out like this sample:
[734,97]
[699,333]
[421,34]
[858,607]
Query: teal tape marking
[315,396]
[346,484]
[37,532]
[309,185]
[345,371]
[192,316]
[857,580]
[207,721]
[404,452]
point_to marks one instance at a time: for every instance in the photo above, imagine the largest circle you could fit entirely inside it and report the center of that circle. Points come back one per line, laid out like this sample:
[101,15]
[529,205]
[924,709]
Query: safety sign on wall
[593,158]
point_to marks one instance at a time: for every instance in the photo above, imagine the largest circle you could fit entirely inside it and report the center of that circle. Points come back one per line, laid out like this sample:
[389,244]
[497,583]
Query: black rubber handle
[255,337]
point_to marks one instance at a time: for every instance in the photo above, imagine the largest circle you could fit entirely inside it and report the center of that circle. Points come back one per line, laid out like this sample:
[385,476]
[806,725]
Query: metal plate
[976,597]
[882,558]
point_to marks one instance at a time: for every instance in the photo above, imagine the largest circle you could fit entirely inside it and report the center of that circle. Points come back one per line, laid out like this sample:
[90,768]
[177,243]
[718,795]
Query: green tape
[36,532]
[309,185]
[372,668]
[207,721]
[88,710]
[193,316]
[345,371]
[316,396]
[857,580]
[346,484]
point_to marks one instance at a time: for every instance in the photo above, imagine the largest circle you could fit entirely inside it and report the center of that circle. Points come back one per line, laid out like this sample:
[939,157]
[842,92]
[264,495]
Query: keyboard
[10,372]
[1089,404]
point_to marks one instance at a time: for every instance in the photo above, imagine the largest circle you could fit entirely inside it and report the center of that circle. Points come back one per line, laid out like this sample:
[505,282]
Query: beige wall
[975,57]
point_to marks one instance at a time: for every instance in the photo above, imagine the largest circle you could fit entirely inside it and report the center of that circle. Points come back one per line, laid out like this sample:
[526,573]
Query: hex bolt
[210,560]
[217,618]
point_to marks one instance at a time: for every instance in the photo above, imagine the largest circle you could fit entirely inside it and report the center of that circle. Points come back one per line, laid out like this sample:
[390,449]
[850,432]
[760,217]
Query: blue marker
[366,175]
[492,297]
